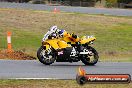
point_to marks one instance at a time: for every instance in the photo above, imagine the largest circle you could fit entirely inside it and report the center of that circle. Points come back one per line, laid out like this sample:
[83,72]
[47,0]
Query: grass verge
[113,33]
[55,84]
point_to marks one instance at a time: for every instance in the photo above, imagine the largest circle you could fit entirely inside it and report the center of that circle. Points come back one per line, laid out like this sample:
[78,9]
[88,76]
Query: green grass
[23,40]
[55,84]
[113,33]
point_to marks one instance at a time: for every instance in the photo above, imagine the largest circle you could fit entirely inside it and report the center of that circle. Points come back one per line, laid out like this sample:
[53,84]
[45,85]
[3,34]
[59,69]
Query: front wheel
[91,58]
[46,57]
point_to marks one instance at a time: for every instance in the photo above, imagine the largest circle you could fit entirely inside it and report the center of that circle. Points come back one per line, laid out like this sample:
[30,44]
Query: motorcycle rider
[54,32]
[72,36]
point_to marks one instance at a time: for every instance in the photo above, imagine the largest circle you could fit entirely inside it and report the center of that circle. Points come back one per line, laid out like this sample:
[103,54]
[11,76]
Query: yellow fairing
[76,40]
[47,46]
[53,43]
[86,40]
[68,39]
[56,43]
[62,44]
[66,34]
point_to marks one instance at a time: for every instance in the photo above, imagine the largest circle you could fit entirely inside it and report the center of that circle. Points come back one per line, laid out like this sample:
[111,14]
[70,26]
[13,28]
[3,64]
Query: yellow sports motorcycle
[69,48]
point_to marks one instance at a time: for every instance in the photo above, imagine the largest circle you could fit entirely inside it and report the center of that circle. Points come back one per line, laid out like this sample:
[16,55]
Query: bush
[38,2]
[111,3]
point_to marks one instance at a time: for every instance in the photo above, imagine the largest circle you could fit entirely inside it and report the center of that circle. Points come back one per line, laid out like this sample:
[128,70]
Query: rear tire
[45,58]
[86,60]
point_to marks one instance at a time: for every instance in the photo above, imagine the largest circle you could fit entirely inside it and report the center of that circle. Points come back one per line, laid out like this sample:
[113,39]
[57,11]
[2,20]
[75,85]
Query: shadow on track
[59,65]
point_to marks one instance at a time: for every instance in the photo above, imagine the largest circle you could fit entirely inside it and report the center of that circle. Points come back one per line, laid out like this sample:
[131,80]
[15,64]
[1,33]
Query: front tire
[86,59]
[45,56]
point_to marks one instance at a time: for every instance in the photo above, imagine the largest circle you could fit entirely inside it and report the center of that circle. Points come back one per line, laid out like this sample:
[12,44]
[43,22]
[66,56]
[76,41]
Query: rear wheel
[91,58]
[46,57]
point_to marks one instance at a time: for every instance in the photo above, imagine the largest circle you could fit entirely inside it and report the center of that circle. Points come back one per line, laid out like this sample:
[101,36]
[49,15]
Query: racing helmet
[53,29]
[61,31]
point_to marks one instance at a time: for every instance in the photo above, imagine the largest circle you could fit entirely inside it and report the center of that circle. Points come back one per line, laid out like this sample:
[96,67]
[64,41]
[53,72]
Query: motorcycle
[64,49]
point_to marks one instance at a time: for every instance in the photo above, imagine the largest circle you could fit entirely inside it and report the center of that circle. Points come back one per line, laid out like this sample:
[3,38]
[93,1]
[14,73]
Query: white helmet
[53,29]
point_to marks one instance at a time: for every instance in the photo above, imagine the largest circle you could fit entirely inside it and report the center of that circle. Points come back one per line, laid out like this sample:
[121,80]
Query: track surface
[34,69]
[89,10]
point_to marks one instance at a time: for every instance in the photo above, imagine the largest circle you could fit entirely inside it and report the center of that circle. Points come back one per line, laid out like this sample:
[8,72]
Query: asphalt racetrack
[89,10]
[33,69]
